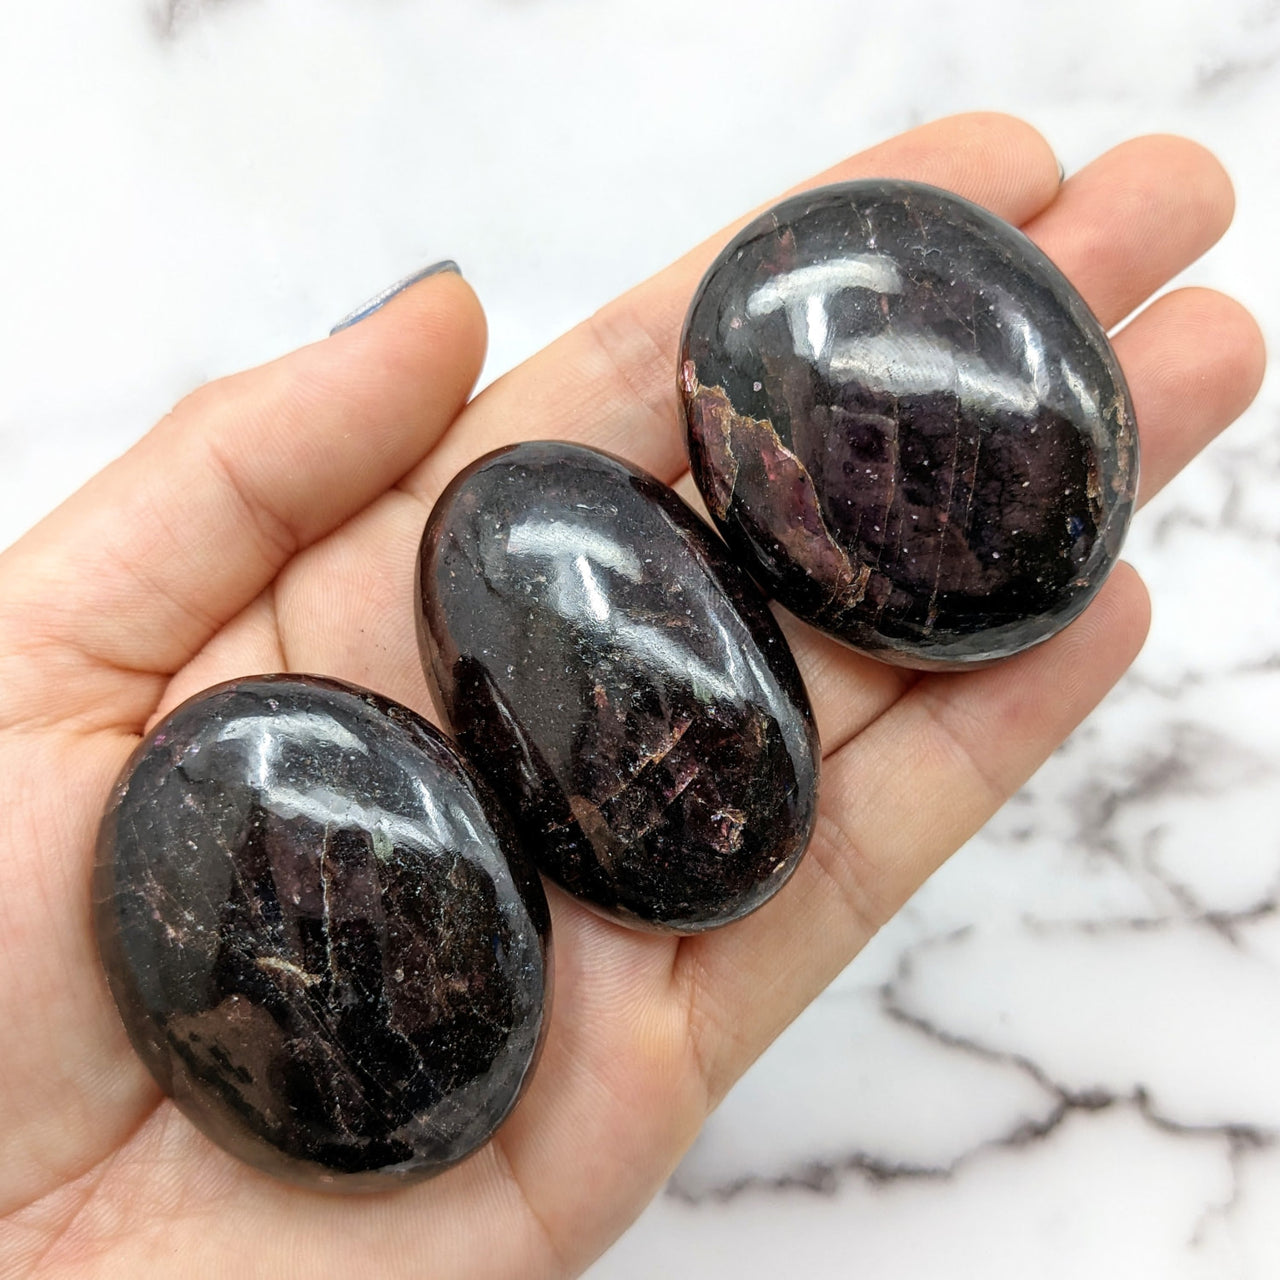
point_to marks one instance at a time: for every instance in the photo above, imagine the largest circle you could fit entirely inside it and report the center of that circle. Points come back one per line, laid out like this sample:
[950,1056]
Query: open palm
[270,524]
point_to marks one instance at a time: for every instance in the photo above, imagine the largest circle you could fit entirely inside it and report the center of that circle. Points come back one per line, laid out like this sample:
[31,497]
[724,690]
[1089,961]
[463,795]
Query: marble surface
[1063,1059]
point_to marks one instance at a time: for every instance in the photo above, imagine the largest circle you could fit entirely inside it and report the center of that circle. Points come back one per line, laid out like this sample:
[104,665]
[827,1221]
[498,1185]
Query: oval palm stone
[621,683]
[320,932]
[907,423]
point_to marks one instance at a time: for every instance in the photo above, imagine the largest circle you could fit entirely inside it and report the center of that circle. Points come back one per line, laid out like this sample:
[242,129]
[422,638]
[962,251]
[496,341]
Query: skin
[269,523]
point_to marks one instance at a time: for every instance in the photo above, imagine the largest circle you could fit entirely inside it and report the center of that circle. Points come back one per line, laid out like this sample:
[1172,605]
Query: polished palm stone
[907,423]
[621,683]
[321,934]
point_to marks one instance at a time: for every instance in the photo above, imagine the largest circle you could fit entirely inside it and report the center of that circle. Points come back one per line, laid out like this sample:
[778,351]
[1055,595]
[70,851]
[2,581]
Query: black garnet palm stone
[908,423]
[321,935]
[621,683]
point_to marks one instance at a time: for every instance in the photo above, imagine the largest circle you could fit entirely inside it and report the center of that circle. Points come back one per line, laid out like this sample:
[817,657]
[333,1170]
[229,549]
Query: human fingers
[1158,239]
[1135,217]
[610,382]
[1130,220]
[1120,228]
[139,569]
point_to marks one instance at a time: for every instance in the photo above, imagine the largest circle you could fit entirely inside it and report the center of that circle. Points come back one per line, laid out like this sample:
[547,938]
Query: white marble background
[1063,1059]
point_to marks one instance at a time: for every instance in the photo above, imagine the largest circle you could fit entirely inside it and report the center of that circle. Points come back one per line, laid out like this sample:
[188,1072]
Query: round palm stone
[907,423]
[621,683]
[322,937]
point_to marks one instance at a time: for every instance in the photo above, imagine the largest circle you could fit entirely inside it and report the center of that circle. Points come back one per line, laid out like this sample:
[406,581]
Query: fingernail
[1062,173]
[378,301]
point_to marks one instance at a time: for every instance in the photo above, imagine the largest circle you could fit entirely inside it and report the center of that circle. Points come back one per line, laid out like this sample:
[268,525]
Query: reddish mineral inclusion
[907,423]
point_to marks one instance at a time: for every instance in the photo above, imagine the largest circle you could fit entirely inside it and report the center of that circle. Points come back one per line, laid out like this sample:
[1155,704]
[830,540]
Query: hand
[270,524]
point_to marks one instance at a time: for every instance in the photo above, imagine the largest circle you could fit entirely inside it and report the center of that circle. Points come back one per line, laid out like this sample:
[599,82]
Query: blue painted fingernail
[380,300]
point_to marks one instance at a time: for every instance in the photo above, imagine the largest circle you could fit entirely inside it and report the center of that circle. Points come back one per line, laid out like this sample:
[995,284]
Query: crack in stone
[664,748]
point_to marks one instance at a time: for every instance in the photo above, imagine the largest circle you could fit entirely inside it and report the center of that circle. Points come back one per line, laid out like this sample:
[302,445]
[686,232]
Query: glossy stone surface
[908,423]
[322,937]
[621,683]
